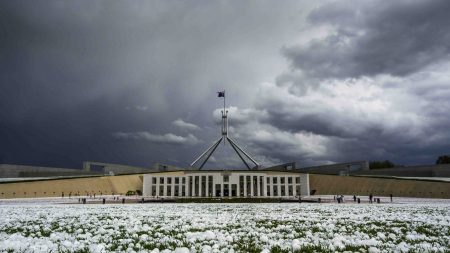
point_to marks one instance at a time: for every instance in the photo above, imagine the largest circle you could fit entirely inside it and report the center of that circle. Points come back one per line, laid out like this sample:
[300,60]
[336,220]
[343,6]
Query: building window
[275,180]
[289,180]
[153,190]
[183,191]
[248,185]
[203,184]
[283,190]
[190,186]
[226,190]
[196,185]
[261,185]
[255,185]
[183,180]
[161,190]
[210,186]
[161,180]
[177,190]
[282,179]
[218,190]
[275,191]
[297,189]
[268,190]
[268,180]
[169,190]
[169,180]
[290,190]
[153,180]
[297,180]
[177,180]
[226,178]
[241,186]
[233,190]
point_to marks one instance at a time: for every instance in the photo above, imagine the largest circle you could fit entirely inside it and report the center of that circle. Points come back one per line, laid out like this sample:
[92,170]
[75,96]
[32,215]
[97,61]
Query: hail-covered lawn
[283,227]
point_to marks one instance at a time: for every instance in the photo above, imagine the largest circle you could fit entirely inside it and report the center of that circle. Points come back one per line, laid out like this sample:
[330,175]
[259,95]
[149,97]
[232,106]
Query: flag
[221,94]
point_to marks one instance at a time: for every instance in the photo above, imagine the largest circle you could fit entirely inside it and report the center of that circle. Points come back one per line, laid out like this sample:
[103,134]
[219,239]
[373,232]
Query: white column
[258,191]
[294,185]
[264,186]
[207,186]
[157,186]
[238,187]
[245,185]
[192,186]
[146,184]
[165,187]
[200,191]
[304,184]
[186,185]
[251,186]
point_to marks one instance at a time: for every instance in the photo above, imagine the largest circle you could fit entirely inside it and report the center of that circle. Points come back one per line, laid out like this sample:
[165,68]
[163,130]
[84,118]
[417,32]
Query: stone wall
[15,171]
[56,187]
[358,185]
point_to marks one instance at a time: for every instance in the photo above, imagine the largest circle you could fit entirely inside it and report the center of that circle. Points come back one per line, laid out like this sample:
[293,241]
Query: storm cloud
[136,82]
[375,37]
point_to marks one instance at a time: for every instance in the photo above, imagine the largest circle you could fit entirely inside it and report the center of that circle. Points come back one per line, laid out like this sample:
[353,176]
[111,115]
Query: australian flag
[221,94]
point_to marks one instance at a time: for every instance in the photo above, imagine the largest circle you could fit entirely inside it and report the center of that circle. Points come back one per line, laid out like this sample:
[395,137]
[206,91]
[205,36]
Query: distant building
[229,183]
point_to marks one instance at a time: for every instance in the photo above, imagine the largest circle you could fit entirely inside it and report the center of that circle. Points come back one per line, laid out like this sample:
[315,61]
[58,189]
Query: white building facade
[228,184]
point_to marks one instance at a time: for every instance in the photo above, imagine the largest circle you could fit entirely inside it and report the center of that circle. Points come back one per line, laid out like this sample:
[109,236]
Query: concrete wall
[355,185]
[82,186]
[442,170]
[116,169]
[336,169]
[14,171]
[322,184]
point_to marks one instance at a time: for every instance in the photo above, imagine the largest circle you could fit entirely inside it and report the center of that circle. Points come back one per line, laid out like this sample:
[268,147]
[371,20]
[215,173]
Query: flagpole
[224,100]
[225,113]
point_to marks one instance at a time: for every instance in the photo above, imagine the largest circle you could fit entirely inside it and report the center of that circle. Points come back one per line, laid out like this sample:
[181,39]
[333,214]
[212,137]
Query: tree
[443,159]
[381,164]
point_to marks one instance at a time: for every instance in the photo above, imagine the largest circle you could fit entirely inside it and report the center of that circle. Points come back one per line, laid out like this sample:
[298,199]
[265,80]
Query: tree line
[443,159]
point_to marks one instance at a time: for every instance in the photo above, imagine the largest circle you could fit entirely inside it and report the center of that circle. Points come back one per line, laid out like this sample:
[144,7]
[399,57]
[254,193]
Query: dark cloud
[375,37]
[74,73]
[136,83]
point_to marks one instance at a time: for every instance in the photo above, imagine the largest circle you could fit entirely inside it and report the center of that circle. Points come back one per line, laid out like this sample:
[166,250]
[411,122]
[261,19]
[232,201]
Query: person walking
[390,195]
[370,198]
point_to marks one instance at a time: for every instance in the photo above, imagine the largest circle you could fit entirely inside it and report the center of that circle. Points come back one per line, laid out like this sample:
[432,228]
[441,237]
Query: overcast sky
[135,82]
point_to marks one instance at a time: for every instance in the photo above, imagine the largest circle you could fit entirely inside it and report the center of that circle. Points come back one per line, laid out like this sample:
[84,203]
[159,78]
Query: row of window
[226,179]
[229,190]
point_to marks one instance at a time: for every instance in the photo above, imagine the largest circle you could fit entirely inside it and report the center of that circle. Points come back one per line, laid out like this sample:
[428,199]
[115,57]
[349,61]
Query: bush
[443,159]
[130,193]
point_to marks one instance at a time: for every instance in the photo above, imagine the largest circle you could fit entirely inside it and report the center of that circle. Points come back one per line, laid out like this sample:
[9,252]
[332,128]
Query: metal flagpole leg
[237,152]
[240,149]
[215,146]
[206,151]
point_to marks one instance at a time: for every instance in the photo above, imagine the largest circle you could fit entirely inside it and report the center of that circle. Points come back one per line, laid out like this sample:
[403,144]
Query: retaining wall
[356,185]
[82,186]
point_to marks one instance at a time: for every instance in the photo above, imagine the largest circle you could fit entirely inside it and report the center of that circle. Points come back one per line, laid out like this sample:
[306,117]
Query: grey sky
[135,82]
